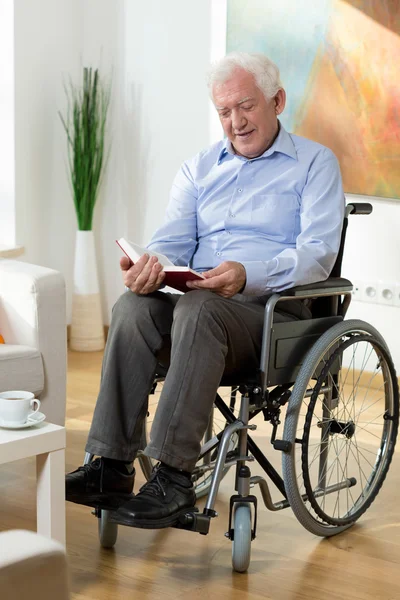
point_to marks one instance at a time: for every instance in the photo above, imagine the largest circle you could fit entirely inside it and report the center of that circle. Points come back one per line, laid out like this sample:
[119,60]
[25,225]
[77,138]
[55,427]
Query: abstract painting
[340,66]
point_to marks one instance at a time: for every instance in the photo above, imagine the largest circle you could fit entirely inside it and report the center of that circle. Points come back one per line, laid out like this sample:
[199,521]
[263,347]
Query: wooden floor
[288,563]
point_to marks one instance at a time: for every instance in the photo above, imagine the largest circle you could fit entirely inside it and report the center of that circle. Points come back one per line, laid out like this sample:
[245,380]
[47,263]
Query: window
[7,154]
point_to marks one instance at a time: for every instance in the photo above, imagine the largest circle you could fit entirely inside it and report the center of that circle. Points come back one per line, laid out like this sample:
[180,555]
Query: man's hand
[226,280]
[145,276]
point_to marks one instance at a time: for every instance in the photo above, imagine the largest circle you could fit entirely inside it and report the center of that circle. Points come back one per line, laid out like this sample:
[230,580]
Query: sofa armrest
[33,313]
[32,566]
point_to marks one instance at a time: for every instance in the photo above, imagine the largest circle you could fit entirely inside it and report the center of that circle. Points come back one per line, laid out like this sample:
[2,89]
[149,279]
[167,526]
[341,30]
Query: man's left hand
[226,280]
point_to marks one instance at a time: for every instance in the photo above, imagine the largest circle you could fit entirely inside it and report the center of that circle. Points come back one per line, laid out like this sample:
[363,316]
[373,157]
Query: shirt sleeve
[317,245]
[177,237]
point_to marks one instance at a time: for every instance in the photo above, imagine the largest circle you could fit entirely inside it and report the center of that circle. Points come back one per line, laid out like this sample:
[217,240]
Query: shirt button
[232,215]
[218,253]
[240,190]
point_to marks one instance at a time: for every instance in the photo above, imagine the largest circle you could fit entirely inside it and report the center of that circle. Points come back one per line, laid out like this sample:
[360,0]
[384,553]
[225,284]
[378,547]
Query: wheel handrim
[339,435]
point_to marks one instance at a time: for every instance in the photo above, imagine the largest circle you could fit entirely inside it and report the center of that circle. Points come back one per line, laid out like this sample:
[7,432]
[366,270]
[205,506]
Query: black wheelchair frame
[284,349]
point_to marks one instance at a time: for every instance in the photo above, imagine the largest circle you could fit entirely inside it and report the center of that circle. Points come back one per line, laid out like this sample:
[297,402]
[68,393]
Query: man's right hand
[145,276]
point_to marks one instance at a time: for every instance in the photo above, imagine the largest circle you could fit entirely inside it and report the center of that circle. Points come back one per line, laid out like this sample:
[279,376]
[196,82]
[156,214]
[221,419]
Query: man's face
[249,120]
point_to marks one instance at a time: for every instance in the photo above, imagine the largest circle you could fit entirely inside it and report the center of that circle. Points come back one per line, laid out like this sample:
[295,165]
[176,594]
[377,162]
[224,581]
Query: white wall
[48,41]
[104,47]
[372,253]
[159,52]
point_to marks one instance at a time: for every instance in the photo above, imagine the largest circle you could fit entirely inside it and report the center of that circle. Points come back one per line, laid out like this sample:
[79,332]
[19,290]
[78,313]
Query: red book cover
[178,279]
[175,277]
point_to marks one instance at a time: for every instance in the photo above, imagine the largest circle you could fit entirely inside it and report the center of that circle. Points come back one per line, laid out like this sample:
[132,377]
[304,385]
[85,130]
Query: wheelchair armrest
[331,286]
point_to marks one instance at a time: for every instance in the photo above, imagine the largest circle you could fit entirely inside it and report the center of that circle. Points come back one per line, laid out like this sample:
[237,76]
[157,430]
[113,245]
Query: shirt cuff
[256,277]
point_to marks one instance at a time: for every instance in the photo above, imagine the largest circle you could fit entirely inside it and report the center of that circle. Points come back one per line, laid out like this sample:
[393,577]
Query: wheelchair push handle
[358,208]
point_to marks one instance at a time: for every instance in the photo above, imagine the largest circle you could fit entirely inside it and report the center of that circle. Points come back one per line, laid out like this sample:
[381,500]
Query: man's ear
[280,101]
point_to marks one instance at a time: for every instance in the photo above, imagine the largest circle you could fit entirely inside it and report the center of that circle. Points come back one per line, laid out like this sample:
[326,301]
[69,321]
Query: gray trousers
[200,336]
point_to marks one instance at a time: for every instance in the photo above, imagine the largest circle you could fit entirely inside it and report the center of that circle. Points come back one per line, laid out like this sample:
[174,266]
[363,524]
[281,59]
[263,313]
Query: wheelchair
[335,382]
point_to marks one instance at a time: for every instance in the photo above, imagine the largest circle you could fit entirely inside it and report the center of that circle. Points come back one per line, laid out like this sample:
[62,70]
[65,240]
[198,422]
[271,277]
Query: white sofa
[32,567]
[33,325]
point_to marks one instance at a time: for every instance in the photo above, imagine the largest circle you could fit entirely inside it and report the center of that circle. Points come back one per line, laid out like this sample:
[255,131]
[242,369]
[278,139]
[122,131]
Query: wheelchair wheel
[201,477]
[108,532]
[241,543]
[342,421]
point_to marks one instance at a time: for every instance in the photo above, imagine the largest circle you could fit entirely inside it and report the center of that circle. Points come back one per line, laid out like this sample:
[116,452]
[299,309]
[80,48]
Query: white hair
[265,72]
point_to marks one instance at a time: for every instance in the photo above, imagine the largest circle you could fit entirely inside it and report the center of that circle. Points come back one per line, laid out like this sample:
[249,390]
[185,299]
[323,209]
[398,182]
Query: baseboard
[367,379]
[364,379]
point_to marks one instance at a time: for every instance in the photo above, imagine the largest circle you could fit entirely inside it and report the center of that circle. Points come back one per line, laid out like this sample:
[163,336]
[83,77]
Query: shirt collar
[283,144]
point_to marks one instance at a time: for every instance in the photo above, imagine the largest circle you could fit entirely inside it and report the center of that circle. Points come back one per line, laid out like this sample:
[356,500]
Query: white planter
[87,331]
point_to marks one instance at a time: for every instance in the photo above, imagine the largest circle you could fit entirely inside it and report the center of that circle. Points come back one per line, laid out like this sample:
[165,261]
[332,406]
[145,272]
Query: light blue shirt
[280,214]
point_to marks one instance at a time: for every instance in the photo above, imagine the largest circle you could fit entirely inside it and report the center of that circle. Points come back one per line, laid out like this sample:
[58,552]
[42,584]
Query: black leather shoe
[99,485]
[160,502]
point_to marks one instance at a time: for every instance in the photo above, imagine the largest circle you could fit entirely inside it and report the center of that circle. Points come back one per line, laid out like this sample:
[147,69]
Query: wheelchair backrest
[353,208]
[291,341]
[327,306]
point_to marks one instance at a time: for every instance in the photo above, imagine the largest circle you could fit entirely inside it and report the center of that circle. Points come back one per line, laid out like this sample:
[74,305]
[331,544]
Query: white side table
[47,442]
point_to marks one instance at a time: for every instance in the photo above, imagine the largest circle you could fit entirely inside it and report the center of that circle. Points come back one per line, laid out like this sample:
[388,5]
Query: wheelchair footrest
[192,520]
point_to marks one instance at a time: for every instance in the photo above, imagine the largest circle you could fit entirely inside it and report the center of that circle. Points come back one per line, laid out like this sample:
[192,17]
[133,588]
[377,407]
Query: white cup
[17,406]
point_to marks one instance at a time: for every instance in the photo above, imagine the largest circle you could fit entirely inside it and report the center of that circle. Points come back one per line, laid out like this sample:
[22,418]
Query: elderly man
[260,211]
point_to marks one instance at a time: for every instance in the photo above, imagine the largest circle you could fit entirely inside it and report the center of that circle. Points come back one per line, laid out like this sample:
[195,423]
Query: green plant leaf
[85,127]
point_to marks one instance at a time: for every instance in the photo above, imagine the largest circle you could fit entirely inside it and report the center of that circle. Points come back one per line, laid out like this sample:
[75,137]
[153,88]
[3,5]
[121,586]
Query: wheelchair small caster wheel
[241,543]
[108,532]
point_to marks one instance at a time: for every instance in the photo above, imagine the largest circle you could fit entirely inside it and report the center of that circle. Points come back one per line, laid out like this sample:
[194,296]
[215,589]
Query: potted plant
[85,126]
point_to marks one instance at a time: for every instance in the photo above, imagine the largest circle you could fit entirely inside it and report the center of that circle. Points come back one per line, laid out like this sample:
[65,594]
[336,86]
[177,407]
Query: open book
[175,277]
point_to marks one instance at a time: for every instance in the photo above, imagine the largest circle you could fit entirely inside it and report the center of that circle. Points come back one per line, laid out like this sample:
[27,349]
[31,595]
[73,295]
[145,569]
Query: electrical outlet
[370,292]
[396,299]
[357,293]
[386,291]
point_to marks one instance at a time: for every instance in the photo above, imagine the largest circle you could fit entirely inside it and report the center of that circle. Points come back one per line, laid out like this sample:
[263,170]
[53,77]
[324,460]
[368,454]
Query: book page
[175,277]
[140,251]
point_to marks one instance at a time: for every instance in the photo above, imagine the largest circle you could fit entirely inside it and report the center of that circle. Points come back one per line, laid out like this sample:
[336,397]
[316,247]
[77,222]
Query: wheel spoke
[344,445]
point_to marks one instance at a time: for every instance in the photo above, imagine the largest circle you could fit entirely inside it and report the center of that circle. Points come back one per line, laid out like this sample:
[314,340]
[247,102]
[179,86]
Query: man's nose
[238,120]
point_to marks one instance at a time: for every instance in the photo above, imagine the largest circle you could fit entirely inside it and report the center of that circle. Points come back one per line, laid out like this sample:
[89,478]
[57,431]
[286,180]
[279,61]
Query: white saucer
[33,419]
